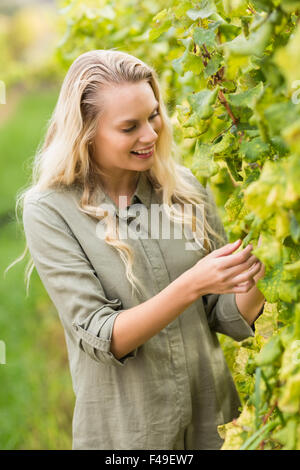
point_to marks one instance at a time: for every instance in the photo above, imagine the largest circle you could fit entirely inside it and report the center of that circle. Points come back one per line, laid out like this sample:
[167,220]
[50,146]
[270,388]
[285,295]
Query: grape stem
[225,103]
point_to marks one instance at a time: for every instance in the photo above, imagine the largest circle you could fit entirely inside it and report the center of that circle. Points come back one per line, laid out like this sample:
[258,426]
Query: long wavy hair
[65,157]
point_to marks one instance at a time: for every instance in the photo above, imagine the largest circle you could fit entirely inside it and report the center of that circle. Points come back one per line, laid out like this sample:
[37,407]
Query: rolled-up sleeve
[224,316]
[221,309]
[86,313]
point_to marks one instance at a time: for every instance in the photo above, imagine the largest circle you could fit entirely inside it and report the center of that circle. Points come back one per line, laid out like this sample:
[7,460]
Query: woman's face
[129,122]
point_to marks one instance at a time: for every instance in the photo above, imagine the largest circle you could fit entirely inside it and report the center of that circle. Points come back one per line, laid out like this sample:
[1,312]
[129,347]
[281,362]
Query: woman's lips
[143,155]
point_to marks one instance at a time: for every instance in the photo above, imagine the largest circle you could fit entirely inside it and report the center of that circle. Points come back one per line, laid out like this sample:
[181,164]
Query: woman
[140,313]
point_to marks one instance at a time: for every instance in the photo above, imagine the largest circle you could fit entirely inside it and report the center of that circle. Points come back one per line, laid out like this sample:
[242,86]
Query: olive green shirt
[172,391]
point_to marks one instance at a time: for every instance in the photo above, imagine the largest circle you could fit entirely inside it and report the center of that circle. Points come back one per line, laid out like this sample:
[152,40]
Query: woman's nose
[149,135]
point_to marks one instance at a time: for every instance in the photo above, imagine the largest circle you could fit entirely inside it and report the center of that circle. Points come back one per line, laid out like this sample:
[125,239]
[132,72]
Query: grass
[36,395]
[19,137]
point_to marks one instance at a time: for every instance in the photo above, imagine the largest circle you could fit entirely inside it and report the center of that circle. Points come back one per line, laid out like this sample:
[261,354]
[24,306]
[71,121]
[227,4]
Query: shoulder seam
[47,209]
[42,196]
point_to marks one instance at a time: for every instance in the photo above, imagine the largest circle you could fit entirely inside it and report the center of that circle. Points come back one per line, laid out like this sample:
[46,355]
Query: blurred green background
[36,396]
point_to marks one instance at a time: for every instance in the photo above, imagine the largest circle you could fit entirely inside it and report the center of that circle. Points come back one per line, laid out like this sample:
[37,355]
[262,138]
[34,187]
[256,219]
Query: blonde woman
[140,312]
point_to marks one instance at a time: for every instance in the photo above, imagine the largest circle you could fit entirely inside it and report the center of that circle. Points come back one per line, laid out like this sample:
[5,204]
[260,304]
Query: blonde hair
[64,158]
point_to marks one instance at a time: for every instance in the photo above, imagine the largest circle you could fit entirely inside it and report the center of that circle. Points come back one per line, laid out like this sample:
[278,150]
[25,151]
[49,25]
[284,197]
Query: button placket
[183,396]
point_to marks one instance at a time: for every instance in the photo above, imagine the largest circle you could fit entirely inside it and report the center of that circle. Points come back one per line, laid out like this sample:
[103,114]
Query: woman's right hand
[221,272]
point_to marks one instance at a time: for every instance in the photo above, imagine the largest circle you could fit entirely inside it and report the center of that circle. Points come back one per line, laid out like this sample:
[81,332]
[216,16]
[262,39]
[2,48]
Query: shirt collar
[142,193]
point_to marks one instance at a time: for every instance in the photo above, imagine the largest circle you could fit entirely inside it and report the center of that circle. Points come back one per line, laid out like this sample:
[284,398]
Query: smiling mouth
[143,155]
[143,152]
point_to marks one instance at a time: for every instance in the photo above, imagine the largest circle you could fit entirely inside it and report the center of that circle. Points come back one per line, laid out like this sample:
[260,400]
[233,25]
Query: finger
[232,272]
[248,274]
[261,273]
[243,288]
[227,249]
[237,258]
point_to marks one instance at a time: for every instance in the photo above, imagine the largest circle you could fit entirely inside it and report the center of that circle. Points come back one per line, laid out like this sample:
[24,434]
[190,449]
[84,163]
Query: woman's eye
[131,128]
[128,130]
[154,115]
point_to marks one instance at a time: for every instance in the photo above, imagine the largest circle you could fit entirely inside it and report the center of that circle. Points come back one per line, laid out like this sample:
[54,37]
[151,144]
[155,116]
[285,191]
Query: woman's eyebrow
[135,120]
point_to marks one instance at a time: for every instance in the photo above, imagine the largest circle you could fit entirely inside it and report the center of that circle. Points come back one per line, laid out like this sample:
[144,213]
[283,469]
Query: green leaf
[203,164]
[293,267]
[231,164]
[202,102]
[181,9]
[271,71]
[291,134]
[227,145]
[254,150]
[204,36]
[269,193]
[282,224]
[289,291]
[247,98]
[295,228]
[287,435]
[229,31]
[188,62]
[235,206]
[234,9]
[213,65]
[192,63]
[279,145]
[265,5]
[290,5]
[161,23]
[281,115]
[289,401]
[270,252]
[270,353]
[269,284]
[255,44]
[205,9]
